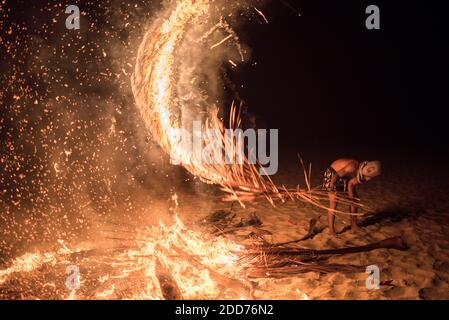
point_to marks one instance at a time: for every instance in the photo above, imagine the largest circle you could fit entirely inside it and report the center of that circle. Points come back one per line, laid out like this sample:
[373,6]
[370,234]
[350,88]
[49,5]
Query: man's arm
[352,193]
[353,209]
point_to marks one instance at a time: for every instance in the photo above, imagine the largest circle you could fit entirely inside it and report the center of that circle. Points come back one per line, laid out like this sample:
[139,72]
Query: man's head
[368,170]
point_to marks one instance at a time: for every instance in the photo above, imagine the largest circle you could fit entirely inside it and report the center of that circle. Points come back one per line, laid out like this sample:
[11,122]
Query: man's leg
[354,225]
[353,209]
[331,213]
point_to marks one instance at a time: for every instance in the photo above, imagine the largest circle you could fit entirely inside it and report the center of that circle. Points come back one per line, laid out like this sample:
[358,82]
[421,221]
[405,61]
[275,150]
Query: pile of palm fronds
[269,261]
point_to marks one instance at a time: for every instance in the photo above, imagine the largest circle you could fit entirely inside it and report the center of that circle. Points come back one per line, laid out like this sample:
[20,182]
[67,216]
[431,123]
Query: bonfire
[171,261]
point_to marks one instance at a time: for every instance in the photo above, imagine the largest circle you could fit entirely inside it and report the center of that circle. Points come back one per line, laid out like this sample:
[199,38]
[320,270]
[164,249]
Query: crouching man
[344,175]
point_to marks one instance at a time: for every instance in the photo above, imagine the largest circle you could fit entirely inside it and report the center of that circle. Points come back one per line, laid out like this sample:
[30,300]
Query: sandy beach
[406,202]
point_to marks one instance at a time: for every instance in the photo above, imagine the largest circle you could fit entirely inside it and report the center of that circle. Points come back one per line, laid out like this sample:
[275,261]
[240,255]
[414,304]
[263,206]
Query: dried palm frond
[244,182]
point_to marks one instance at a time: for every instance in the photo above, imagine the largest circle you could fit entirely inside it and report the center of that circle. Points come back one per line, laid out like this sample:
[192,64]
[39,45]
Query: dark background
[322,78]
[326,81]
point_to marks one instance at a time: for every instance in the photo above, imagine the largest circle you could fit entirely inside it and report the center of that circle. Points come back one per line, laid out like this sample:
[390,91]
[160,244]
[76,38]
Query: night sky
[325,80]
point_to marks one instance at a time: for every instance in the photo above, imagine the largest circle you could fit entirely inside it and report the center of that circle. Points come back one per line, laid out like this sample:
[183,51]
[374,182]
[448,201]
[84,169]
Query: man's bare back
[346,167]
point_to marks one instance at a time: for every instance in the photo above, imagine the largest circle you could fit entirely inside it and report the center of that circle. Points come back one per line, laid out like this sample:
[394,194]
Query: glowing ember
[168,260]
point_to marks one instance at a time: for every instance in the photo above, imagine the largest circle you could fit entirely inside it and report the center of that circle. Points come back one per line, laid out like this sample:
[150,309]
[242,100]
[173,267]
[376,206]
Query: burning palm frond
[243,181]
[154,87]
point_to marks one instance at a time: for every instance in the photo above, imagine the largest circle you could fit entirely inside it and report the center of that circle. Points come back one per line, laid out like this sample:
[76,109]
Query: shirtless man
[344,175]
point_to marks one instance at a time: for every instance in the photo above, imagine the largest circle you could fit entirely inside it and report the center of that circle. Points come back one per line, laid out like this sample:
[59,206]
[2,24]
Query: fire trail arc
[169,59]
[154,82]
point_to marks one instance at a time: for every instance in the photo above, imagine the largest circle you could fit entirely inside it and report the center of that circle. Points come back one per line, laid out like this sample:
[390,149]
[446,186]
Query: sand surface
[408,201]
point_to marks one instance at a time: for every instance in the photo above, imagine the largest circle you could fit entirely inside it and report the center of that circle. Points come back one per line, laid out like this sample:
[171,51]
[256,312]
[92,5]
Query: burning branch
[168,285]
[269,261]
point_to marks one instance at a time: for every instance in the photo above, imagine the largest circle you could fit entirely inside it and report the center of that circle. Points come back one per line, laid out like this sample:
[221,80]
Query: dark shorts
[341,185]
